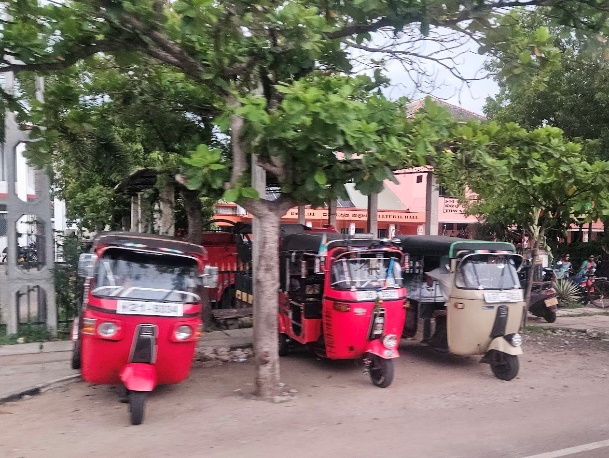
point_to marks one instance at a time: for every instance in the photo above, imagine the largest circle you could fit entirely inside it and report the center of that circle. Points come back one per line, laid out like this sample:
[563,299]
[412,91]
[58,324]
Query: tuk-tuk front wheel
[137,399]
[381,371]
[504,366]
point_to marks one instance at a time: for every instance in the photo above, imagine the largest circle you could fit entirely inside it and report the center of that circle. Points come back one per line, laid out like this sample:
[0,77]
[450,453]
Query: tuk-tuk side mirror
[86,264]
[209,279]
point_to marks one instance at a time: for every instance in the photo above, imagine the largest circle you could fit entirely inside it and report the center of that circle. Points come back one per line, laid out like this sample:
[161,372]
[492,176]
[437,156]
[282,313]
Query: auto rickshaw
[480,305]
[343,299]
[141,312]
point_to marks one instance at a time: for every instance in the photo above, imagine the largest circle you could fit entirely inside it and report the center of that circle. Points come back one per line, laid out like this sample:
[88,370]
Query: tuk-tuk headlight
[514,339]
[107,329]
[390,341]
[183,332]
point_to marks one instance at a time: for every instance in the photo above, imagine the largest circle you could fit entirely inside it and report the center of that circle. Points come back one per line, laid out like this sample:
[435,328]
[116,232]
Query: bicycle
[595,291]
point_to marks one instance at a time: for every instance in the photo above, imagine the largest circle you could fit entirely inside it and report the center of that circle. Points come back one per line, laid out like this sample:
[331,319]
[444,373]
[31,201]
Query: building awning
[387,199]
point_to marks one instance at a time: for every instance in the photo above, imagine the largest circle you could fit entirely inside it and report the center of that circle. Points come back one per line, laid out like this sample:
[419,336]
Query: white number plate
[551,302]
[371,295]
[149,308]
[492,297]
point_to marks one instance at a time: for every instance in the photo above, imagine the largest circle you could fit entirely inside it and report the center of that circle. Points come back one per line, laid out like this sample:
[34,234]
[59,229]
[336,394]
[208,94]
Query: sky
[446,86]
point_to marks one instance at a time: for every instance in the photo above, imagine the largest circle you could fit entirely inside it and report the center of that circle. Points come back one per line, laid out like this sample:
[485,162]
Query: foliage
[567,293]
[26,333]
[523,178]
[568,92]
[106,118]
[68,286]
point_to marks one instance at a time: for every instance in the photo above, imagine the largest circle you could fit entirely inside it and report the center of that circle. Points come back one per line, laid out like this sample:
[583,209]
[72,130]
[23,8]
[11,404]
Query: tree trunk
[192,205]
[266,285]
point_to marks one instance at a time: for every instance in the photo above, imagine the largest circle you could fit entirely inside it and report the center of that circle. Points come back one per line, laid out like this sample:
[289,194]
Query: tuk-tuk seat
[312,309]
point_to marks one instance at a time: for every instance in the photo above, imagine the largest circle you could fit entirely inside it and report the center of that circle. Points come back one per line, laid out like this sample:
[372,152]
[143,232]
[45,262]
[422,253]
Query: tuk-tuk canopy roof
[312,241]
[153,242]
[440,245]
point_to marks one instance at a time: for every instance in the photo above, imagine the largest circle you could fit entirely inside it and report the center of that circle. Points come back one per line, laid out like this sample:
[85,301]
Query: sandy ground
[438,406]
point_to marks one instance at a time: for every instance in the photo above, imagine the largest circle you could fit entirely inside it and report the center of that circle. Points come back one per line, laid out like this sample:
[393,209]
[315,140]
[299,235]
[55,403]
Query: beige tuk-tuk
[469,291]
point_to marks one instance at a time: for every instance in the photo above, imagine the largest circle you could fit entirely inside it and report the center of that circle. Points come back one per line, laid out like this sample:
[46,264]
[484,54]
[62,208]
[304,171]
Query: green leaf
[231,195]
[249,193]
[321,178]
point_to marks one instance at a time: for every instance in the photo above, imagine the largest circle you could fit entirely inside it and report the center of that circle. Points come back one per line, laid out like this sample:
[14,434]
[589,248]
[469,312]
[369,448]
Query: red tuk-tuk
[229,247]
[141,314]
[343,299]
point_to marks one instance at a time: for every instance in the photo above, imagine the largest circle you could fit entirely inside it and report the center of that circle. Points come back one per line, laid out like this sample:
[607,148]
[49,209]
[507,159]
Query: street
[438,406]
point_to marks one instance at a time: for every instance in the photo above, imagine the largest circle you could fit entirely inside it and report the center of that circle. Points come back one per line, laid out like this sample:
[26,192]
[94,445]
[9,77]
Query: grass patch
[27,333]
[570,305]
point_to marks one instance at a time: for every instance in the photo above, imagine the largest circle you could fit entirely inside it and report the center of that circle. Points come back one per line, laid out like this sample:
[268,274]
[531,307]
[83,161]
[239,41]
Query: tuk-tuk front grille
[143,349]
[501,320]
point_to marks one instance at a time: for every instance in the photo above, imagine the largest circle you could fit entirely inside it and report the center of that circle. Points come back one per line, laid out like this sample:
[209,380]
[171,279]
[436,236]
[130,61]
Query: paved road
[439,406]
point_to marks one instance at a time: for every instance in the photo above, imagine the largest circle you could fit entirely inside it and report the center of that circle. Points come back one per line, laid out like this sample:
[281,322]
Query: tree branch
[166,50]
[61,63]
[239,153]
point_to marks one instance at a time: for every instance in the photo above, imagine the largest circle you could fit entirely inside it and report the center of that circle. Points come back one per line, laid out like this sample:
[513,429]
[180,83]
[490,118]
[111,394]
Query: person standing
[563,267]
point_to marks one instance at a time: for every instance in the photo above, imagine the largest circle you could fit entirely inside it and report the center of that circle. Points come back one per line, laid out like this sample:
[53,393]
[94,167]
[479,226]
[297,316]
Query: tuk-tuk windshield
[366,273]
[487,271]
[143,276]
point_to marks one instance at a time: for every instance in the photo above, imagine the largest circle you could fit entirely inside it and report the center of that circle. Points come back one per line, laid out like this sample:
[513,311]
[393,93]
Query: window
[419,178]
[382,233]
[3,223]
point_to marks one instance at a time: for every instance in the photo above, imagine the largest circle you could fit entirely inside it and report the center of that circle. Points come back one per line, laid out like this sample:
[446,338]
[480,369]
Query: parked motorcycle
[543,302]
[26,254]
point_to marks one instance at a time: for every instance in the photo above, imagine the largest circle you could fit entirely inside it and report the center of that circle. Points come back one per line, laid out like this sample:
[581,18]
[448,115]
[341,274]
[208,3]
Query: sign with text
[451,205]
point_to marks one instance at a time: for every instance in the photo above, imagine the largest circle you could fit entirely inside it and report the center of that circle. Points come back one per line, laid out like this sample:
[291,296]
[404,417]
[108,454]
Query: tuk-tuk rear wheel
[381,371]
[284,344]
[504,366]
[137,399]
[76,355]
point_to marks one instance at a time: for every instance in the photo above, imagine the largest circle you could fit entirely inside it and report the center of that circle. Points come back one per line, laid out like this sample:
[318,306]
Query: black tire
[76,355]
[600,296]
[284,345]
[550,316]
[123,394]
[381,371]
[504,366]
[137,400]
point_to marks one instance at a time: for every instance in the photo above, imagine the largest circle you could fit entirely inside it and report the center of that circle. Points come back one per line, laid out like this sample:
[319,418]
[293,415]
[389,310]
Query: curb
[40,388]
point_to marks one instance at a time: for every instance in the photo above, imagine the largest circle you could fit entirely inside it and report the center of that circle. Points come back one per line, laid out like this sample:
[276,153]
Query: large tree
[280,70]
[519,178]
[568,91]
[109,116]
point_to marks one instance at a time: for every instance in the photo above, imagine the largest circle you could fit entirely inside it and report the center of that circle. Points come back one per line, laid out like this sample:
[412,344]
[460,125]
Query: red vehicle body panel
[139,377]
[103,359]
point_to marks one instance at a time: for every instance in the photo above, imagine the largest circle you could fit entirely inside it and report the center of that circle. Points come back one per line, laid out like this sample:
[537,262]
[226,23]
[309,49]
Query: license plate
[371,295]
[148,308]
[552,301]
[493,297]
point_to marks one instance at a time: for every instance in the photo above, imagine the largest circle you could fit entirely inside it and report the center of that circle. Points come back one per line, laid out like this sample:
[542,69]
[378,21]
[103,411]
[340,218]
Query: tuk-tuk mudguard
[502,345]
[377,348]
[139,377]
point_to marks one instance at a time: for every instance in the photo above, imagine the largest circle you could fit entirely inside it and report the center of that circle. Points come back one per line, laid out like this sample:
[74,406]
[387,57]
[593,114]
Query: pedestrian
[587,267]
[563,267]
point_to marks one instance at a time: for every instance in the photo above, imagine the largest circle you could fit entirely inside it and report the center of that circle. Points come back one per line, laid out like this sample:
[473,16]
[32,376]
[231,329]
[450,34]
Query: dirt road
[438,406]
